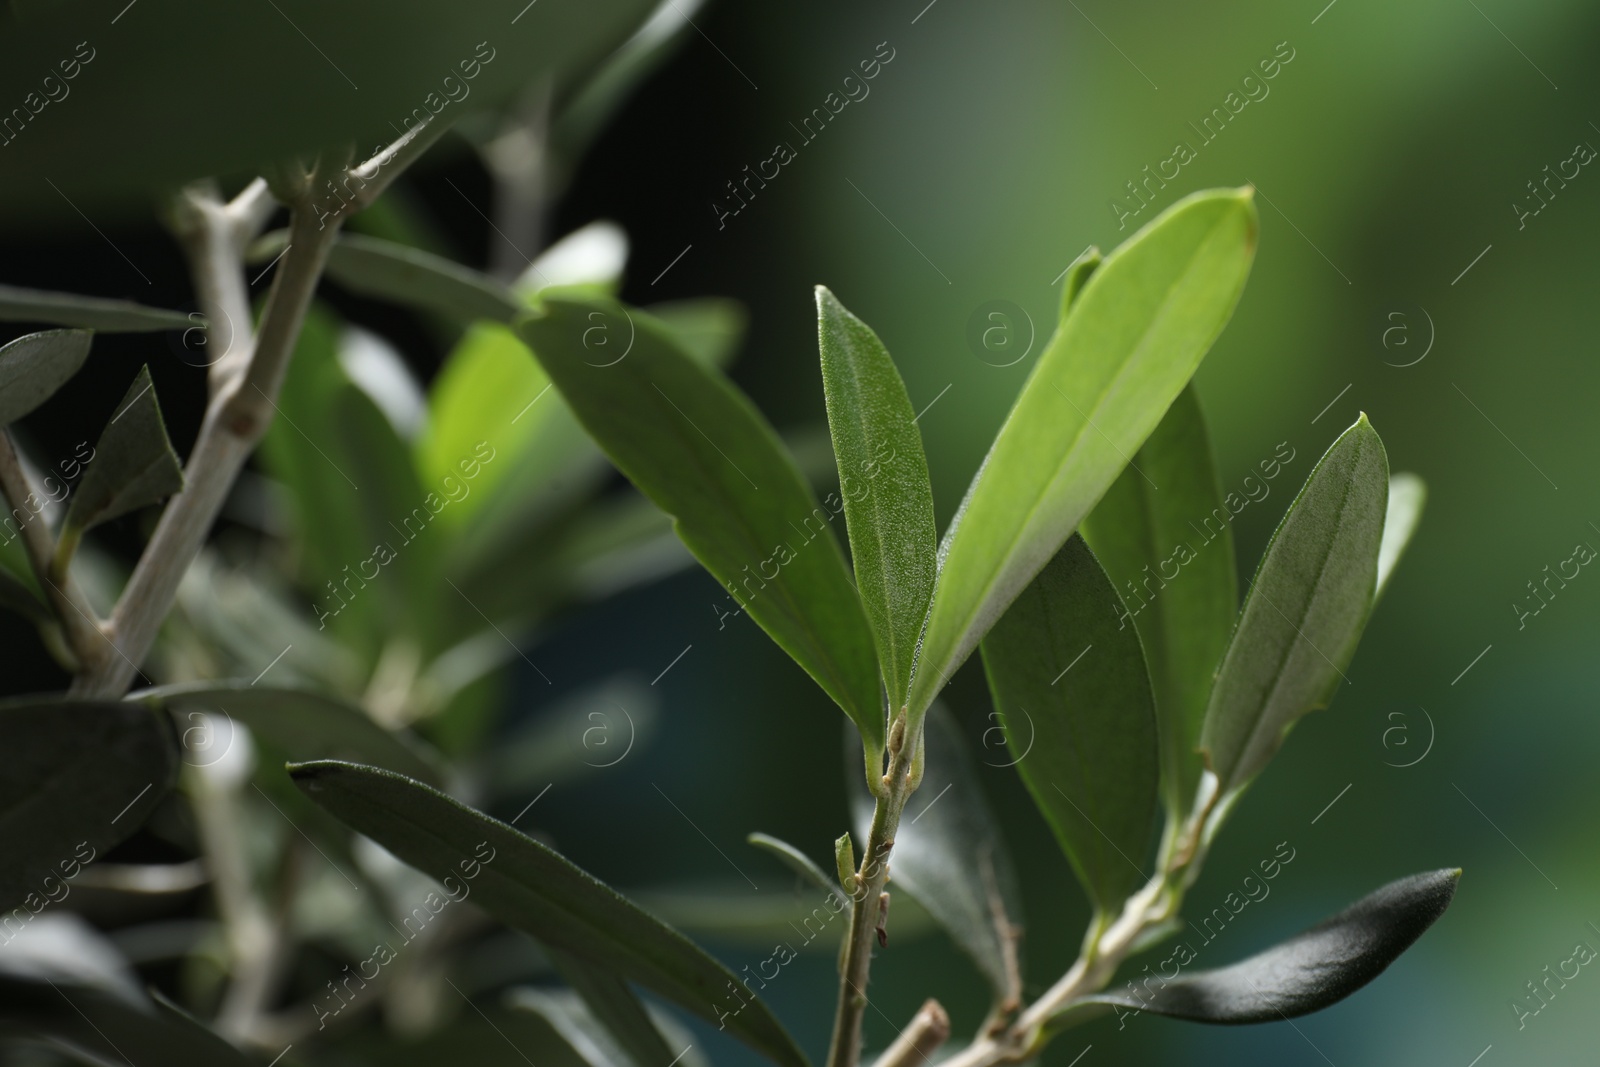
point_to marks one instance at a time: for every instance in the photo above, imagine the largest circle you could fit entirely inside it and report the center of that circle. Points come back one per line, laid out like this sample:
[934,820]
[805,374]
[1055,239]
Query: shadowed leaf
[89,312]
[33,367]
[134,464]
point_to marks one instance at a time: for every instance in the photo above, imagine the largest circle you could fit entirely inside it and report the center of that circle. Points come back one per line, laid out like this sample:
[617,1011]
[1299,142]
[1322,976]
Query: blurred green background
[1390,156]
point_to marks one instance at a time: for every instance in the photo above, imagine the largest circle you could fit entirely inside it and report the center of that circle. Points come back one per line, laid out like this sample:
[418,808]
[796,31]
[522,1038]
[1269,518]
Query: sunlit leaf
[1166,541]
[1133,337]
[1068,676]
[1407,495]
[697,447]
[888,501]
[133,466]
[1306,973]
[33,367]
[1305,610]
[533,888]
[88,312]
[80,777]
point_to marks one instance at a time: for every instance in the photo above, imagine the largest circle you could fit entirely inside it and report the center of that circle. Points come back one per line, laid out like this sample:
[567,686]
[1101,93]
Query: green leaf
[134,464]
[1305,610]
[34,366]
[950,856]
[80,777]
[111,1028]
[303,724]
[411,277]
[615,1008]
[697,447]
[1077,276]
[797,861]
[88,312]
[571,1018]
[708,328]
[1308,972]
[535,889]
[1134,336]
[888,510]
[1166,542]
[1068,677]
[1407,495]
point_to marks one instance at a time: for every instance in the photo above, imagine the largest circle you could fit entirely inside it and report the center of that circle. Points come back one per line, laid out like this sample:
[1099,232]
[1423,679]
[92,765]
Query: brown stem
[922,1037]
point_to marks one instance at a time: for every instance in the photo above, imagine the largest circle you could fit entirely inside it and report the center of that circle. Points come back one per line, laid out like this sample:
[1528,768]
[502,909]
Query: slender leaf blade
[535,889]
[34,366]
[1135,334]
[134,463]
[1305,610]
[89,312]
[893,540]
[1077,276]
[80,778]
[1156,534]
[797,861]
[615,1007]
[696,446]
[1068,675]
[1310,971]
[1407,495]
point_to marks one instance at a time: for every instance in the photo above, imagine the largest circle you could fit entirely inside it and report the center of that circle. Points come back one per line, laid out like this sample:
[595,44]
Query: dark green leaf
[1308,972]
[1166,541]
[888,502]
[1068,676]
[33,367]
[697,447]
[1305,610]
[80,777]
[950,855]
[1407,495]
[303,724]
[134,465]
[1134,336]
[616,1008]
[110,1028]
[89,312]
[535,889]
[18,596]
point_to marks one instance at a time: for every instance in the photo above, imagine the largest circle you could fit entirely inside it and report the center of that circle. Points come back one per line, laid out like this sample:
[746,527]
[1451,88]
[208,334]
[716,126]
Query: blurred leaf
[796,861]
[568,1016]
[737,916]
[1145,526]
[591,256]
[89,312]
[20,597]
[952,857]
[614,1010]
[134,464]
[1068,675]
[708,328]
[490,1036]
[1305,610]
[595,727]
[653,409]
[1310,971]
[1407,495]
[411,277]
[1134,336]
[893,539]
[303,724]
[533,888]
[80,777]
[34,366]
[110,1029]
[1077,276]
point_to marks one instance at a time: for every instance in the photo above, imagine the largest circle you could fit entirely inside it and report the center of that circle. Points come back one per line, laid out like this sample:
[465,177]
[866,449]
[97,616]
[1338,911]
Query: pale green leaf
[1134,336]
[1407,495]
[1077,276]
[88,312]
[1166,541]
[883,478]
[697,447]
[34,366]
[1068,676]
[1305,610]
[134,464]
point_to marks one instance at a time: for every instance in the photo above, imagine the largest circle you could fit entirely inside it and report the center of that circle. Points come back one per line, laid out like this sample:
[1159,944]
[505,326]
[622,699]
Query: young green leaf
[615,1008]
[1077,276]
[111,1028]
[1309,971]
[535,889]
[1169,552]
[134,464]
[708,328]
[797,861]
[888,510]
[1134,336]
[303,724]
[1407,495]
[1068,677]
[88,312]
[697,447]
[80,777]
[1305,610]
[950,856]
[411,277]
[34,366]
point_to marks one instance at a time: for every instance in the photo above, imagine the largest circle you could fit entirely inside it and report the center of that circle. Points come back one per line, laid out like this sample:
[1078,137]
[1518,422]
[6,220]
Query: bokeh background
[1396,276]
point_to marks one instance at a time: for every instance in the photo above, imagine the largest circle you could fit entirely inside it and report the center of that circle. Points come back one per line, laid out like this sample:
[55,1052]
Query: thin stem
[78,621]
[927,1030]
